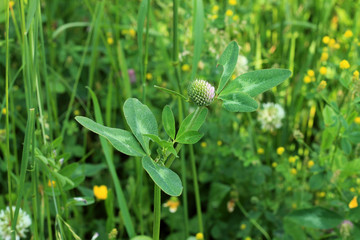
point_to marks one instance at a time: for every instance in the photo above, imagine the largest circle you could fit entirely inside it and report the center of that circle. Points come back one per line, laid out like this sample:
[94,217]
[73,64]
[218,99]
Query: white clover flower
[23,222]
[270,116]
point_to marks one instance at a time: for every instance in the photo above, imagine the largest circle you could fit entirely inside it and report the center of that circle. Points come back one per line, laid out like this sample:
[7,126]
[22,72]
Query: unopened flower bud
[201,92]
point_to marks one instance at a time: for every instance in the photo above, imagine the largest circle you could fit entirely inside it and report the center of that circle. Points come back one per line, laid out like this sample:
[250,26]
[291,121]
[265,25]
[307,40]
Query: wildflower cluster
[270,116]
[22,224]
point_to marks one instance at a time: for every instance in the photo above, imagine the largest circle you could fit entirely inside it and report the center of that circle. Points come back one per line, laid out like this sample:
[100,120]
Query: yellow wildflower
[344,64]
[232,2]
[348,34]
[173,204]
[311,73]
[149,76]
[260,151]
[199,236]
[3,111]
[132,32]
[280,150]
[203,144]
[324,56]
[326,39]
[356,74]
[307,79]
[243,226]
[332,43]
[293,171]
[51,183]
[337,46]
[353,203]
[110,40]
[76,112]
[213,17]
[323,70]
[185,67]
[229,13]
[292,159]
[322,85]
[352,189]
[236,17]
[233,77]
[274,164]
[310,164]
[215,8]
[357,120]
[219,142]
[100,192]
[11,4]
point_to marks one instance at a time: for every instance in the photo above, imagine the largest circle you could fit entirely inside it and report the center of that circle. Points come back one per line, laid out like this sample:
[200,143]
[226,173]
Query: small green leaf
[193,122]
[141,121]
[317,217]
[159,141]
[228,60]
[256,82]
[122,140]
[168,121]
[190,137]
[239,102]
[166,179]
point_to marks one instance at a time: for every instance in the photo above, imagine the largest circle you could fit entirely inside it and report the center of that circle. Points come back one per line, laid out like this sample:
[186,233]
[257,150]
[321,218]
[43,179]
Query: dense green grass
[240,181]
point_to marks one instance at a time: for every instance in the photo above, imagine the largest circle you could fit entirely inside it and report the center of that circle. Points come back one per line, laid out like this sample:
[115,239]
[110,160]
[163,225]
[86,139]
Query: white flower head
[23,222]
[270,116]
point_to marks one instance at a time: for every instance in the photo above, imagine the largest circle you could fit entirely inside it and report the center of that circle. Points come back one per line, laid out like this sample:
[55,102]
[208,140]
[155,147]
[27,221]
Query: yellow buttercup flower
[100,192]
[344,64]
[356,74]
[292,159]
[185,67]
[307,79]
[324,56]
[51,183]
[260,151]
[199,236]
[322,85]
[214,17]
[310,164]
[203,144]
[110,40]
[274,164]
[280,150]
[323,70]
[348,34]
[132,32]
[229,13]
[326,39]
[149,76]
[353,203]
[293,171]
[357,120]
[332,43]
[232,2]
[215,8]
[311,73]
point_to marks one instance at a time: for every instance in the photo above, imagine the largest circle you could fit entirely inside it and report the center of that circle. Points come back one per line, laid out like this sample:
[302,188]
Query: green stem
[157,212]
[253,221]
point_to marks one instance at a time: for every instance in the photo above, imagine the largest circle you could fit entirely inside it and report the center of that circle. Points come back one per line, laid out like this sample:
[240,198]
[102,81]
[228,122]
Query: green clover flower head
[201,92]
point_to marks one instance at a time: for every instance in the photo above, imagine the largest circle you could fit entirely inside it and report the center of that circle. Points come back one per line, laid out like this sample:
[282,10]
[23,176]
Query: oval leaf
[122,140]
[190,137]
[193,122]
[317,217]
[228,60]
[166,179]
[256,82]
[239,102]
[168,121]
[141,121]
